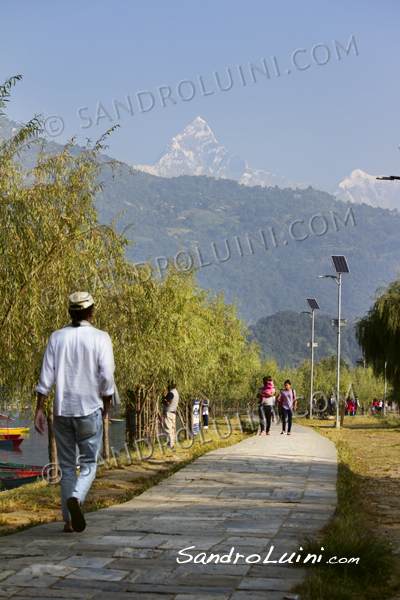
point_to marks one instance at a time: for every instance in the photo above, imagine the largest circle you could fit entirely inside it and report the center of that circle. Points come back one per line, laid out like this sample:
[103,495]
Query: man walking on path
[79,361]
[170,401]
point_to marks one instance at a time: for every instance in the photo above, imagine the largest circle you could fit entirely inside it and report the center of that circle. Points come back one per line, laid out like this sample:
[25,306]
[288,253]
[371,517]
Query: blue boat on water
[9,483]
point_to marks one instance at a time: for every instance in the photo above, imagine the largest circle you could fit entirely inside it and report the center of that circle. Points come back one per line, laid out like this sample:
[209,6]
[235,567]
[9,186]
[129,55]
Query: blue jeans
[286,413]
[86,433]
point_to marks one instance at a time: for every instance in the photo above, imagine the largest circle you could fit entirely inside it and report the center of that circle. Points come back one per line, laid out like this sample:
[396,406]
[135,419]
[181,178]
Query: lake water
[33,450]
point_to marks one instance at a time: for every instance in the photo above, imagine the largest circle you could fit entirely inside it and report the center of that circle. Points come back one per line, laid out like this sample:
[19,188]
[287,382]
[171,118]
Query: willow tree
[49,235]
[173,329]
[378,334]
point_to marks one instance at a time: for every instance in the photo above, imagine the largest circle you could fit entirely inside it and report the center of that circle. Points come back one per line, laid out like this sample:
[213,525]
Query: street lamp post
[384,392]
[313,304]
[386,178]
[340,265]
[338,349]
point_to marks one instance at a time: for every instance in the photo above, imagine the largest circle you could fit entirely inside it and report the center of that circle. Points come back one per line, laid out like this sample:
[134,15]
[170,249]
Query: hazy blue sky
[312,125]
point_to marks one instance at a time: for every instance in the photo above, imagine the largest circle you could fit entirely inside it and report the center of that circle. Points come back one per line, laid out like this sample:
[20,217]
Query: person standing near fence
[332,404]
[289,403]
[170,404]
[204,411]
[79,361]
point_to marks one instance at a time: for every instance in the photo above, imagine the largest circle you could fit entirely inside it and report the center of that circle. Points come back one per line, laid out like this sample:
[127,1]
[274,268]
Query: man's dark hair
[171,384]
[80,315]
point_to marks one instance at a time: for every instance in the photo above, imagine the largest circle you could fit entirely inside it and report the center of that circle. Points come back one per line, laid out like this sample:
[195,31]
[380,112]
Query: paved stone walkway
[265,491]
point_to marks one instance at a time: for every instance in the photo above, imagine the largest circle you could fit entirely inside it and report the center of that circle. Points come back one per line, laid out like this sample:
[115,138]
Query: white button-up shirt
[80,361]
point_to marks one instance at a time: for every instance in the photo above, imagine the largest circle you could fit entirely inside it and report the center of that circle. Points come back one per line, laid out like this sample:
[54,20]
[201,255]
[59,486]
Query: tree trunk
[130,418]
[106,445]
[154,425]
[52,440]
[190,416]
[139,413]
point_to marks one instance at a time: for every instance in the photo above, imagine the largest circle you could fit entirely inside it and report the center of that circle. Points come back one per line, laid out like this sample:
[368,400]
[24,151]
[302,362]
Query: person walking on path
[266,396]
[289,403]
[170,402]
[204,411]
[79,360]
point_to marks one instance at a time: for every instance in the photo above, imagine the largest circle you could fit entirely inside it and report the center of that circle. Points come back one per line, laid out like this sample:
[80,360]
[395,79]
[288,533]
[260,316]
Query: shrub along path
[263,492]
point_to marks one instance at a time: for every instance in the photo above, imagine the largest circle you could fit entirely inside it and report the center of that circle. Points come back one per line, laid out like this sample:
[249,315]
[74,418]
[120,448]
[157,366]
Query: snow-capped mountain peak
[195,151]
[360,187]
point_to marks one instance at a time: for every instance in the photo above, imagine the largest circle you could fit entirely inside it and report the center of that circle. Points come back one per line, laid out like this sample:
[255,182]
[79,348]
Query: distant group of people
[170,399]
[285,401]
[352,405]
[378,406]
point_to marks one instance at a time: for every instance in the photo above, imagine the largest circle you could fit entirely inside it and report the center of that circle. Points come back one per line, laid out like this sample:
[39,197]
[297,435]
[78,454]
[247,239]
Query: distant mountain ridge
[195,151]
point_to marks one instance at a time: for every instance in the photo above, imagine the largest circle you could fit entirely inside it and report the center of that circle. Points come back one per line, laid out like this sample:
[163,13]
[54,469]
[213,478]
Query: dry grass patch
[368,452]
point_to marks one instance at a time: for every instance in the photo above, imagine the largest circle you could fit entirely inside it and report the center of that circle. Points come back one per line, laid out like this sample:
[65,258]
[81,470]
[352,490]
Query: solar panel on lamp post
[340,265]
[313,304]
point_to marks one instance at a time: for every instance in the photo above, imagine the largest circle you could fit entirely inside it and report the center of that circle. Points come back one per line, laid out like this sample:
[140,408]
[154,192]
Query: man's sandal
[77,517]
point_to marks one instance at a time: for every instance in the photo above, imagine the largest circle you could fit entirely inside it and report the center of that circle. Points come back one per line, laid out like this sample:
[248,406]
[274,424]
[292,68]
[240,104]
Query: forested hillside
[217,216]
[285,334]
